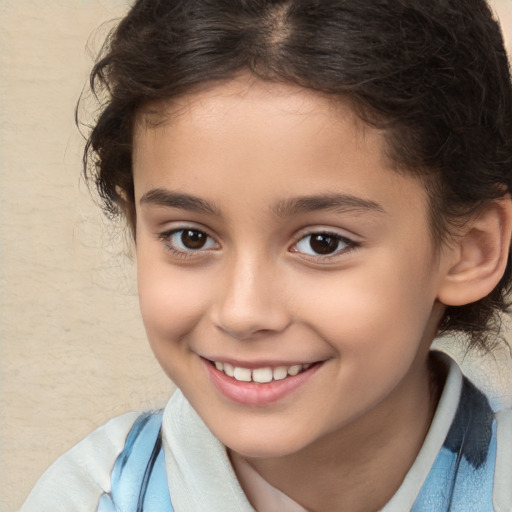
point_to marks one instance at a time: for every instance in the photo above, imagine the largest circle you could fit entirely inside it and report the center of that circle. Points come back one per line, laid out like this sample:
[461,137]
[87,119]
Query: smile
[259,386]
[260,375]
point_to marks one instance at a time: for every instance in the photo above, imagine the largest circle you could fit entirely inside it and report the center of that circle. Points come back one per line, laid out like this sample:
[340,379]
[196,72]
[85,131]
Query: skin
[256,292]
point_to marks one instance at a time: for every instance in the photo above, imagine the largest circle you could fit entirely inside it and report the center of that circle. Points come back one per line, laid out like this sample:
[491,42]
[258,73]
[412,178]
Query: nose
[251,300]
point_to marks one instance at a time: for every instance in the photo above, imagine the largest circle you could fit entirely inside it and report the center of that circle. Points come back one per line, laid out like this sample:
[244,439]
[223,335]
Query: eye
[188,240]
[323,244]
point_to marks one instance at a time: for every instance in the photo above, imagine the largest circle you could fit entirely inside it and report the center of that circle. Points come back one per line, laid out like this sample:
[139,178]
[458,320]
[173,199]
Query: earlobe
[477,260]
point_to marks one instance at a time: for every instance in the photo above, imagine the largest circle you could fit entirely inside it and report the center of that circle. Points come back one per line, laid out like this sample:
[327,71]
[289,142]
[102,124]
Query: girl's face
[275,242]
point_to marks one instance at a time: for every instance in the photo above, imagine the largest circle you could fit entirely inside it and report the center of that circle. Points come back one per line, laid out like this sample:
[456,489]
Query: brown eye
[193,239]
[188,240]
[324,244]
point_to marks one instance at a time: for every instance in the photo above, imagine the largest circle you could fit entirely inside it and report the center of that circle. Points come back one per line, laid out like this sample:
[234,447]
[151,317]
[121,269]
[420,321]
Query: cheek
[377,313]
[172,301]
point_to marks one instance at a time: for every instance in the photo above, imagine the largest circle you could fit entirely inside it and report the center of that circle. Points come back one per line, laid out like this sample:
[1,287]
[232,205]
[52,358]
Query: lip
[256,394]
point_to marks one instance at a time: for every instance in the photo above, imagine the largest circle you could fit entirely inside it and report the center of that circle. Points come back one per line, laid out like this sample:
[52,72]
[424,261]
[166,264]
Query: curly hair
[433,75]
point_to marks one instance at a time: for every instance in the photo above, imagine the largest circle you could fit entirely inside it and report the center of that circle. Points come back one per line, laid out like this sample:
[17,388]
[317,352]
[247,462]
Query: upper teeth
[260,375]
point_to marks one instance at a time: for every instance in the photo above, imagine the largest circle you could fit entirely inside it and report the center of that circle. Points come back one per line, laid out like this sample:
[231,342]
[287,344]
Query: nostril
[250,331]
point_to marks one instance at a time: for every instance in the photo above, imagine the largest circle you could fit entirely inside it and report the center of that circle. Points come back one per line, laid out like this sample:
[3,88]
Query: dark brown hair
[433,75]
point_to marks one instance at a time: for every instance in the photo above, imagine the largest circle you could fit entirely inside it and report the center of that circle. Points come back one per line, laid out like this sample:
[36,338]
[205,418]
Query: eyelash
[349,244]
[167,236]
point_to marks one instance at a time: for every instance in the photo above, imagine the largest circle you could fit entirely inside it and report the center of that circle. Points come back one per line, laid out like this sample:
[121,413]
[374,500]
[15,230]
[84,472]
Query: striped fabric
[139,481]
[462,477]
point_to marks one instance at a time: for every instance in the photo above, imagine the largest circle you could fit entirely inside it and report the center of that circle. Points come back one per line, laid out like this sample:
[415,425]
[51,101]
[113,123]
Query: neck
[359,467]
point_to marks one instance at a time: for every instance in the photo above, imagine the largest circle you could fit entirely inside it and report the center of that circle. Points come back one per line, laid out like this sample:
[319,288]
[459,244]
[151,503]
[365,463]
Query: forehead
[241,91]
[249,103]
[246,139]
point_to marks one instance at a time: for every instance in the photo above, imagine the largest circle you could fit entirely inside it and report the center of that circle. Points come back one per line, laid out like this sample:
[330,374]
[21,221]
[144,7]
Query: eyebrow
[166,198]
[339,203]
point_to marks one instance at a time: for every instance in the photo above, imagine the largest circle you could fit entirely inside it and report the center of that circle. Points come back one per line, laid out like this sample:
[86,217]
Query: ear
[477,259]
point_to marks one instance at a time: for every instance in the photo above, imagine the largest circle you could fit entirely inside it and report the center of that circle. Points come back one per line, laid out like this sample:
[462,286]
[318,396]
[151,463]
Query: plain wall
[73,351]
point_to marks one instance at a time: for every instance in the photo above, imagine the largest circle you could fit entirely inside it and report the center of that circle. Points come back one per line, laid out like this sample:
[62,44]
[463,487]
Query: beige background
[73,351]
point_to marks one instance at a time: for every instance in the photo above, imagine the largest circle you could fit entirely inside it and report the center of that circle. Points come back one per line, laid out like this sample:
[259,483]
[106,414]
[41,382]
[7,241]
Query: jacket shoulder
[76,480]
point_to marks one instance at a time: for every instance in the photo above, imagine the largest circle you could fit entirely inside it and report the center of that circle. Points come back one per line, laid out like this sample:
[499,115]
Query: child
[316,189]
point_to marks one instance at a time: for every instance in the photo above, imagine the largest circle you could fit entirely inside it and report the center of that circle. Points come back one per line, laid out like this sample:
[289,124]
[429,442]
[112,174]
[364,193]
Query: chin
[262,445]
[261,450]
